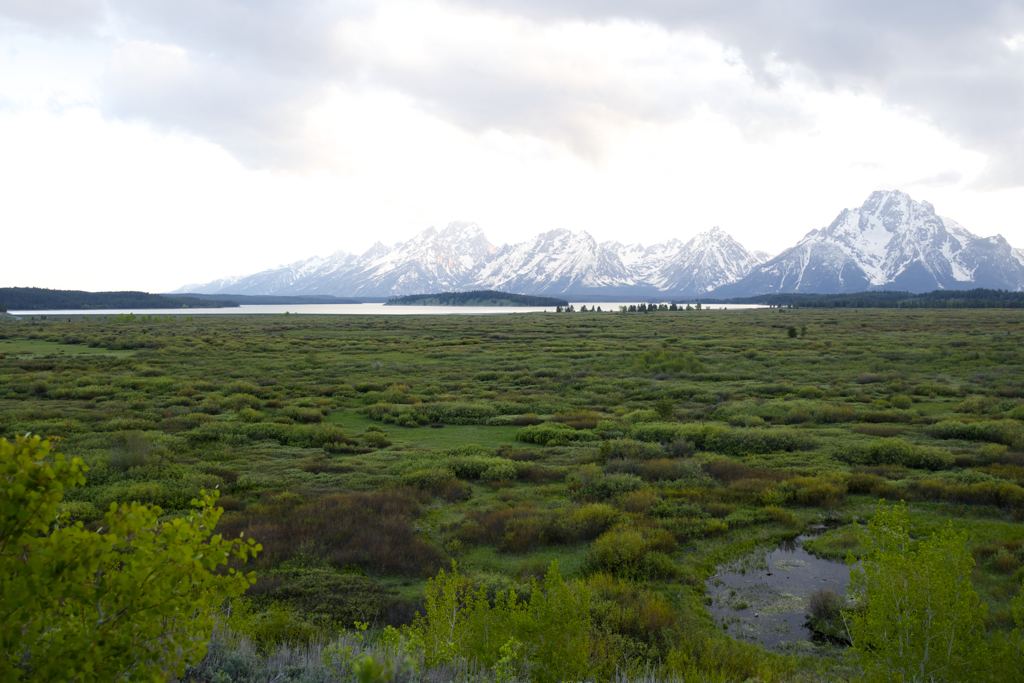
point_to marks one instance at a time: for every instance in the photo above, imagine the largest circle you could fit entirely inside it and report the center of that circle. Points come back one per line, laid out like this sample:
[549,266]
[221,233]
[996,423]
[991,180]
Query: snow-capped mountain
[459,257]
[432,261]
[709,260]
[554,262]
[891,242]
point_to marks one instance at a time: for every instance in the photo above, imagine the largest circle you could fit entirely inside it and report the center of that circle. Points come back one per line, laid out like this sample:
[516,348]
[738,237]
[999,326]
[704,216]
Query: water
[347,309]
[763,596]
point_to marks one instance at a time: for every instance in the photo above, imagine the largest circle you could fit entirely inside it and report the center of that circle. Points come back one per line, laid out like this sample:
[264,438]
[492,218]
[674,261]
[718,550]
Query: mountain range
[889,242]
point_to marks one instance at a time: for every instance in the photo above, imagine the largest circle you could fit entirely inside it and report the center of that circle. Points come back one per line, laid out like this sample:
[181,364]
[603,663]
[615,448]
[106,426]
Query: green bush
[427,479]
[750,441]
[630,449]
[636,554]
[238,401]
[611,485]
[554,433]
[641,416]
[1007,432]
[321,594]
[895,451]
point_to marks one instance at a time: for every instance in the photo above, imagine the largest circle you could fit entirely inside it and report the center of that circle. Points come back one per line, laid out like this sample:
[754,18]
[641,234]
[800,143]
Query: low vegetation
[586,474]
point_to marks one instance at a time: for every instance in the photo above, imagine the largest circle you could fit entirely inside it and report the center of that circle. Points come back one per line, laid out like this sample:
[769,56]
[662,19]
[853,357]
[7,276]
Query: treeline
[475,298]
[940,298]
[38,299]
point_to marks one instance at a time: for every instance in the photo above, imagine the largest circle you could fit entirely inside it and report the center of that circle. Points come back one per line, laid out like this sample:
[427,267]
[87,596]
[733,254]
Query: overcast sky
[146,144]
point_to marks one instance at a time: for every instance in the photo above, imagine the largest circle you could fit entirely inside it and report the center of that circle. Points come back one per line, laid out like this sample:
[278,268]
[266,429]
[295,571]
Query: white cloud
[188,140]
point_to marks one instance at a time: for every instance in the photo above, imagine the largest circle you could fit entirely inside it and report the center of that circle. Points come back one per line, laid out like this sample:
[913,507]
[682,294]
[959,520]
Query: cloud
[258,116]
[943,179]
[252,71]
[565,71]
[958,64]
[55,16]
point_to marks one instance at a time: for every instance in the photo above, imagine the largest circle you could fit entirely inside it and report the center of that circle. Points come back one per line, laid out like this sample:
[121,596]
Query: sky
[147,144]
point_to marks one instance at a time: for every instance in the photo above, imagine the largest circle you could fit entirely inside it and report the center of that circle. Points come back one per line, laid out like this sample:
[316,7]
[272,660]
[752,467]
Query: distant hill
[478,298]
[940,298]
[269,300]
[37,299]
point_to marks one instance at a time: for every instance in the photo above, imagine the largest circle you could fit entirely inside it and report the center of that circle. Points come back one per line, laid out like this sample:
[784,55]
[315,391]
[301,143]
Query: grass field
[384,448]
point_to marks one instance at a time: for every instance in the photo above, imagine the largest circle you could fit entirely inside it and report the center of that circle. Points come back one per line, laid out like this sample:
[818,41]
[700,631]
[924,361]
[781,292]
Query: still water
[349,309]
[763,597]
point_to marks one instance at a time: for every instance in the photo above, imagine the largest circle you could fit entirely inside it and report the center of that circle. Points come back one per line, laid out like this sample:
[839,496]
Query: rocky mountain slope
[459,258]
[890,242]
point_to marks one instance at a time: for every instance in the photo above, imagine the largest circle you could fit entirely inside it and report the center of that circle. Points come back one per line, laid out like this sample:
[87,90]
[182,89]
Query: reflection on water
[762,597]
[348,309]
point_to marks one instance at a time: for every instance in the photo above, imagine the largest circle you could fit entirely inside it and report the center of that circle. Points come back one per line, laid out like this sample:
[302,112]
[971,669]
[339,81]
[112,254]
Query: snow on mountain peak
[890,242]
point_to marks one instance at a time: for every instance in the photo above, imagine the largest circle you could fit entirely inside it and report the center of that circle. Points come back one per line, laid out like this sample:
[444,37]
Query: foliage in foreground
[137,600]
[921,619]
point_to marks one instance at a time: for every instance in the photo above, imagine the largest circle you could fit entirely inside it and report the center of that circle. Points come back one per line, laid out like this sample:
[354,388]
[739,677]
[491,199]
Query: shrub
[483,467]
[426,479]
[978,405]
[525,420]
[887,416]
[665,360]
[662,469]
[640,417]
[667,432]
[832,413]
[580,419]
[862,482]
[553,626]
[132,449]
[457,413]
[251,415]
[638,501]
[304,415]
[636,554]
[894,636]
[554,433]
[901,402]
[1008,432]
[139,600]
[238,401]
[885,430]
[751,441]
[629,449]
[370,530]
[522,528]
[823,492]
[900,452]
[376,439]
[321,595]
[611,485]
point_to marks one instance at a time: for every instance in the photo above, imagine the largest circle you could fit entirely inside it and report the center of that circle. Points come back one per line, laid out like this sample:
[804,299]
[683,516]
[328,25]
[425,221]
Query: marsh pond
[763,597]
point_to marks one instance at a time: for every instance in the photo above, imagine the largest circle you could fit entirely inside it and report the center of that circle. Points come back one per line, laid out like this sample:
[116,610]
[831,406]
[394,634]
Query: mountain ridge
[460,258]
[890,242]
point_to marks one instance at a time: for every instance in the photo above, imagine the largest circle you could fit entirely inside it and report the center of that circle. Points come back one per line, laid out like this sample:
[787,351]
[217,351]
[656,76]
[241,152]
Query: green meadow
[633,452]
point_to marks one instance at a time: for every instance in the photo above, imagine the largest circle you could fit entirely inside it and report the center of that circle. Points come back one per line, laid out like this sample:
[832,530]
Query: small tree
[791,332]
[921,619]
[135,601]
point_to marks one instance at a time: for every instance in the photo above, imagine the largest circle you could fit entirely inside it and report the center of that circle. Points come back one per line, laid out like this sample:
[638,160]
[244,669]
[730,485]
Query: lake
[348,309]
